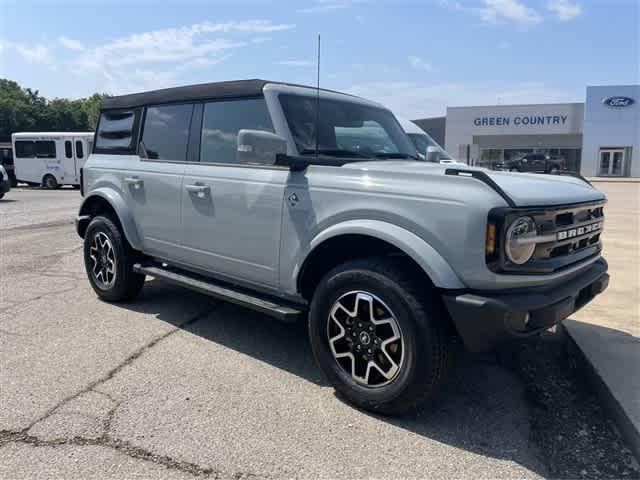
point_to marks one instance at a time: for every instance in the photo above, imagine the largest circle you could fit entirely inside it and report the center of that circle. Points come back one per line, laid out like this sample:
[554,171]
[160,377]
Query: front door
[611,162]
[232,212]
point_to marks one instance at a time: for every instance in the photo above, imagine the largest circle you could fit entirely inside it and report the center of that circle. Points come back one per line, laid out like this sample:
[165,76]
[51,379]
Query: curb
[612,401]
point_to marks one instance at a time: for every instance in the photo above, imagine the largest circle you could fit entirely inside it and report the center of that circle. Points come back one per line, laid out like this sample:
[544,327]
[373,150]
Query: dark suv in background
[533,162]
[6,160]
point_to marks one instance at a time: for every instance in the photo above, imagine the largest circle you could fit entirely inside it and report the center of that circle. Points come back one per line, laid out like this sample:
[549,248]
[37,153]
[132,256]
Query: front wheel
[379,338]
[108,260]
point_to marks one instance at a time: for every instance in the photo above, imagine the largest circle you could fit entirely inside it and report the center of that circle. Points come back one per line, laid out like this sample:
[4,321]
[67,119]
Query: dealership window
[490,157]
[612,162]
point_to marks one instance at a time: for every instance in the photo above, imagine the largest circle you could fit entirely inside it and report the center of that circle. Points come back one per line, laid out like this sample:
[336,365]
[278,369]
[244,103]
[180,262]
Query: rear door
[154,183]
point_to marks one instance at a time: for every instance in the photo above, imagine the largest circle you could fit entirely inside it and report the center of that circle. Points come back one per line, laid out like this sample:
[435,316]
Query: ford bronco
[312,204]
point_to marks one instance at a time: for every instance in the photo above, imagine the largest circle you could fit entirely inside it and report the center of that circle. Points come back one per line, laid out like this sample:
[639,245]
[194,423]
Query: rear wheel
[377,336]
[554,169]
[49,182]
[109,260]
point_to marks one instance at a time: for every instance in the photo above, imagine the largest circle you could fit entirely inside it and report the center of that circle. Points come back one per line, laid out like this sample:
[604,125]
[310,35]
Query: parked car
[244,191]
[51,159]
[427,148]
[533,162]
[5,182]
[6,160]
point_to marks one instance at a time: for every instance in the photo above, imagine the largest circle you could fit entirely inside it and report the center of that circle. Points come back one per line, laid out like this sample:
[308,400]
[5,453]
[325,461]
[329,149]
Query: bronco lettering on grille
[577,232]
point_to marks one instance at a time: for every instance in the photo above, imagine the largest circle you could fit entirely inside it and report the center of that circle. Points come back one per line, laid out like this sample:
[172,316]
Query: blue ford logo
[618,102]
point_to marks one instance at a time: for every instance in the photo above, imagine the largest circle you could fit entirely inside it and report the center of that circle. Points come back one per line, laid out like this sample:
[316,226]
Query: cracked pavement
[177,385]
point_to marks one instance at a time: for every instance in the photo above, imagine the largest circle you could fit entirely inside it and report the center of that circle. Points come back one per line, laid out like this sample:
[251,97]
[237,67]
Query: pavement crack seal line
[123,446]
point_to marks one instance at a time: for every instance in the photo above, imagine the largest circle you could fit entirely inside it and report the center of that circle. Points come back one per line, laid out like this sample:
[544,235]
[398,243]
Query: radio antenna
[318,103]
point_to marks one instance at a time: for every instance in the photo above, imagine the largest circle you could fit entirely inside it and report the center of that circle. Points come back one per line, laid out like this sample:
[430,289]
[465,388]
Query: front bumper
[486,319]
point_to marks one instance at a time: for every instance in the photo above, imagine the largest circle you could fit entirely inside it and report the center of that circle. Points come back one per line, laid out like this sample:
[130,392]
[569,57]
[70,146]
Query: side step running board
[271,307]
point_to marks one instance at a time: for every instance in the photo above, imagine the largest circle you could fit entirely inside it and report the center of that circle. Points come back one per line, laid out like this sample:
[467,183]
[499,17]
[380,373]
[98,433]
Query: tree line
[24,110]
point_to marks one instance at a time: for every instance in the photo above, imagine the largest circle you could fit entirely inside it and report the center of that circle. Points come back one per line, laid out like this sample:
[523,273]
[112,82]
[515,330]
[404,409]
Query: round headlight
[517,250]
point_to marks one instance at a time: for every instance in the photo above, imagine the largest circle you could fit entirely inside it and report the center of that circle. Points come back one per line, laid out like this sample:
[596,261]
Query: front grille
[573,232]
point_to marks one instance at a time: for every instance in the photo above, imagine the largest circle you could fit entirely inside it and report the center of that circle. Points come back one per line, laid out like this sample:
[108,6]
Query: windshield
[347,129]
[422,141]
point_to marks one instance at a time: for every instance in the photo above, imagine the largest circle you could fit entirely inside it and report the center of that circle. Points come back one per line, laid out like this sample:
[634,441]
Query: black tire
[125,284]
[49,182]
[426,345]
[553,170]
[514,169]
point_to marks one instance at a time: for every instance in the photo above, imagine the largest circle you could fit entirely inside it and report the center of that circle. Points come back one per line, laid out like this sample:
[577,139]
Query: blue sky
[416,57]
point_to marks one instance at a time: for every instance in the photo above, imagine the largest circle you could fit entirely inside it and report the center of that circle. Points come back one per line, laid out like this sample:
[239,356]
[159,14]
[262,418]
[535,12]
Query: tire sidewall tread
[128,283]
[419,316]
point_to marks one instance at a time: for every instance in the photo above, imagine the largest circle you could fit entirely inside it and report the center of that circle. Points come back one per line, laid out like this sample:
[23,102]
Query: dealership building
[600,137]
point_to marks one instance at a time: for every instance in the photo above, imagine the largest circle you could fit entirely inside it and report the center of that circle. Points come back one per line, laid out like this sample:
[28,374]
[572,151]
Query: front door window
[611,162]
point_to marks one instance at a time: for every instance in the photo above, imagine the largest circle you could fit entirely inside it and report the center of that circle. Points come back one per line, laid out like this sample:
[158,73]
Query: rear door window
[117,131]
[165,133]
[68,153]
[79,149]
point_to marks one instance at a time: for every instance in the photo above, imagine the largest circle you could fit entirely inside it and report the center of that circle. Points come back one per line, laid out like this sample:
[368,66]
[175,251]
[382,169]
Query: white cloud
[565,9]
[417,100]
[70,43]
[154,59]
[296,63]
[419,64]
[32,54]
[495,11]
[322,6]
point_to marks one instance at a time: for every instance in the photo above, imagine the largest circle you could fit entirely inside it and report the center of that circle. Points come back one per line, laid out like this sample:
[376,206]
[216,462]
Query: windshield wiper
[337,152]
[395,155]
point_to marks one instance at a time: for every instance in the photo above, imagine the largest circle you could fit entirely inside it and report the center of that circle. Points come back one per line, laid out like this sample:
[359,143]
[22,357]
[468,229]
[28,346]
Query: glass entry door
[611,162]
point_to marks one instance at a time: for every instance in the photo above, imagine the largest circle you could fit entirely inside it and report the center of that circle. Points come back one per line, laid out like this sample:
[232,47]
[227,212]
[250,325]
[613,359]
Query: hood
[524,189]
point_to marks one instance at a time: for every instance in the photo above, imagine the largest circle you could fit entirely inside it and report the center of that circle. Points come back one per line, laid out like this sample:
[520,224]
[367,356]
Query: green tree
[24,109]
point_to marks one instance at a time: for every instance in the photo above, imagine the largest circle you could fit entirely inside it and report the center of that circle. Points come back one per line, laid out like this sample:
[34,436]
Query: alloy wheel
[103,257]
[365,338]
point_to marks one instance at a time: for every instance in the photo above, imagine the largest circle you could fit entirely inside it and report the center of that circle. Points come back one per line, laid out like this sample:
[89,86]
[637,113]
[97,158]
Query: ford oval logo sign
[618,102]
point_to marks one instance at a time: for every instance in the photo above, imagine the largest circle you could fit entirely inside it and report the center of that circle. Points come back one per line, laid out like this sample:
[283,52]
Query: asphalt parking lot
[177,385]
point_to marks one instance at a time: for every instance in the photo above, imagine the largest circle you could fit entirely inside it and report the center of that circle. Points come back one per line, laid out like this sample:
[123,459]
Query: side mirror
[433,155]
[259,147]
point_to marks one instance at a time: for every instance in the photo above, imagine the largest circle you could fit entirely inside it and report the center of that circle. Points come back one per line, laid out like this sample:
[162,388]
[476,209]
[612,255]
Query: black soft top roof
[203,91]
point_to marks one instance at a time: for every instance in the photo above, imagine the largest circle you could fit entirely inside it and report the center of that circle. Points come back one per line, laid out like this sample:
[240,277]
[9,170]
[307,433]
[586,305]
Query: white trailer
[50,159]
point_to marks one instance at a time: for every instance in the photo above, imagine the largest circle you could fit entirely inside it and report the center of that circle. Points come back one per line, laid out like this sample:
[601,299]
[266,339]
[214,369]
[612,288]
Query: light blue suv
[301,203]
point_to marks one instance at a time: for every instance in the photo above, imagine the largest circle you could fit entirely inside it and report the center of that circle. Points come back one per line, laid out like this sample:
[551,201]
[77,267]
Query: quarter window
[46,149]
[67,149]
[117,131]
[223,120]
[166,132]
[79,149]
[25,149]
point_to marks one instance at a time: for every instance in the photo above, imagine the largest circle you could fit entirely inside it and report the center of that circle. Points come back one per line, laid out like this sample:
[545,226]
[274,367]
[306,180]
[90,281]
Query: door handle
[199,190]
[134,181]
